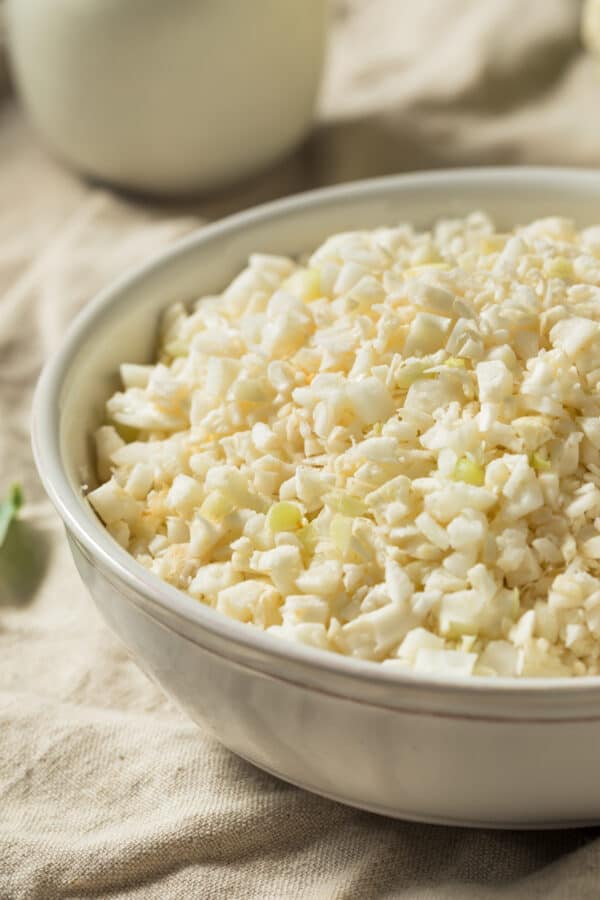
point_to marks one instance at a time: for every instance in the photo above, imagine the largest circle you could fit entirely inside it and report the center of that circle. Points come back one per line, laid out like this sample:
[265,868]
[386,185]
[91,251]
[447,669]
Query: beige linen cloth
[106,790]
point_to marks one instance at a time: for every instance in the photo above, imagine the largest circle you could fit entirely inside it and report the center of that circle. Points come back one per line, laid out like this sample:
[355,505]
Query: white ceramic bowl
[518,753]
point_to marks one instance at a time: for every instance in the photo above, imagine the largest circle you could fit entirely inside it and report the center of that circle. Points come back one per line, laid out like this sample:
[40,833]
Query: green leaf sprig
[9,509]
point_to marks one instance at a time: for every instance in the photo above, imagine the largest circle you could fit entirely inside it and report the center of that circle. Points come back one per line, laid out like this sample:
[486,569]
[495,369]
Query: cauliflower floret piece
[468,529]
[221,372]
[212,579]
[321,578]
[264,438]
[512,547]
[370,400]
[427,333]
[429,395]
[495,381]
[140,481]
[373,633]
[419,639]
[185,495]
[452,499]
[178,531]
[591,429]
[232,483]
[282,564]
[500,657]
[432,298]
[398,584]
[113,503]
[204,536]
[133,375]
[310,485]
[461,613]
[299,608]
[521,488]
[135,409]
[244,599]
[574,334]
[432,530]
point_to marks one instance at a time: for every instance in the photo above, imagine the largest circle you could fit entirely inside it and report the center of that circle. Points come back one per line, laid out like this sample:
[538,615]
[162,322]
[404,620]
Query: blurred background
[147,99]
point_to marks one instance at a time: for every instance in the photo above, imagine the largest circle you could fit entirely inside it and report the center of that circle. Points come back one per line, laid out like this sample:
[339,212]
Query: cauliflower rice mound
[389,452]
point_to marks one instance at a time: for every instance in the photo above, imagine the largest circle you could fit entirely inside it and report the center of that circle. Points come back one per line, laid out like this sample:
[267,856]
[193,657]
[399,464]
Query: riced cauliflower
[389,451]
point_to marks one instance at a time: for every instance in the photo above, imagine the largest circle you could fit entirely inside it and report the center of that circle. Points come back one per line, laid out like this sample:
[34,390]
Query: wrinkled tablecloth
[106,790]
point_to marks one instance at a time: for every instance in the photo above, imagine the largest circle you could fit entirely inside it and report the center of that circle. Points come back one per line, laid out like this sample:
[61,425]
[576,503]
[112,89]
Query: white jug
[168,96]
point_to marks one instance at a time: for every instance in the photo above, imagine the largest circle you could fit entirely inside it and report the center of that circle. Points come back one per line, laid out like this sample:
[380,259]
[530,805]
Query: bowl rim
[91,534]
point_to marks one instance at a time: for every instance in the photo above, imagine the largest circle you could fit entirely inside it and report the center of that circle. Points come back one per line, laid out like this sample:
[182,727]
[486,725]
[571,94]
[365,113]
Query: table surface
[105,789]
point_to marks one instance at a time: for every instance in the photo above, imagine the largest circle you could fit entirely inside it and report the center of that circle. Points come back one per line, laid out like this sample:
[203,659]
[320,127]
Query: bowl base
[410,816]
